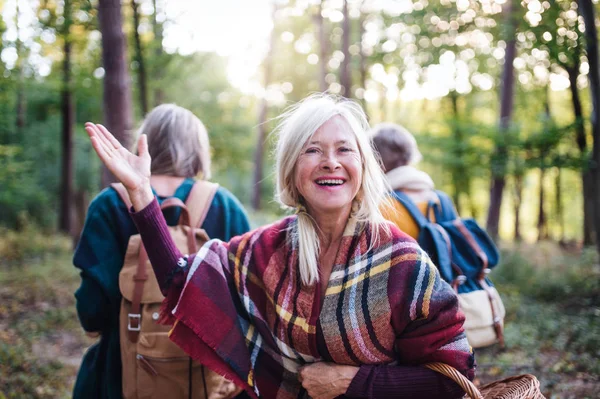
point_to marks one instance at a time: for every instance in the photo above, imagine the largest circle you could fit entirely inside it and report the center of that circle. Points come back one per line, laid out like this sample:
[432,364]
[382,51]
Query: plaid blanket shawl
[244,313]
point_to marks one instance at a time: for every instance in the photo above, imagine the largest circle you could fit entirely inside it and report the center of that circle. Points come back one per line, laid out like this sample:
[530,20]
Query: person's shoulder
[107,200]
[398,236]
[269,234]
[223,195]
[406,252]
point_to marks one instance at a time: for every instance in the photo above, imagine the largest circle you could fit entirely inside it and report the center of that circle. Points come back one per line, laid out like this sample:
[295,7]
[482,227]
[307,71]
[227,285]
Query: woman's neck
[330,227]
[164,185]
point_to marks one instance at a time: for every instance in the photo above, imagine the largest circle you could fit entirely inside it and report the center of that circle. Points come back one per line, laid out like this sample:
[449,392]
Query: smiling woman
[331,301]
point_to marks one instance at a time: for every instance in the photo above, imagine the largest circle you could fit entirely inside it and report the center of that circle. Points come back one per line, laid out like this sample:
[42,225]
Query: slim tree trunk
[345,79]
[587,11]
[506,109]
[518,198]
[541,224]
[323,47]
[20,76]
[159,95]
[117,90]
[363,60]
[586,178]
[68,121]
[139,57]
[559,206]
[262,120]
[458,172]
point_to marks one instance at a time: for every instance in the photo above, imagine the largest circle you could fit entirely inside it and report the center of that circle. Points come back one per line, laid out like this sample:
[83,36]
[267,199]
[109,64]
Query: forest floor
[552,298]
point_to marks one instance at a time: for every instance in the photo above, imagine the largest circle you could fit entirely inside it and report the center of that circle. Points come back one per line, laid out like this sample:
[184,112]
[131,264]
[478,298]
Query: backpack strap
[198,201]
[134,319]
[446,209]
[122,191]
[411,207]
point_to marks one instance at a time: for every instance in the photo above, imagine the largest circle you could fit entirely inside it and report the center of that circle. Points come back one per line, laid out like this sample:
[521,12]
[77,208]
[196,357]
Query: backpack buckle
[136,317]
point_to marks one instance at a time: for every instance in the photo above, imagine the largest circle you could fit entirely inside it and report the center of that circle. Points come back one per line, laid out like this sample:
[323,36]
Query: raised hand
[130,169]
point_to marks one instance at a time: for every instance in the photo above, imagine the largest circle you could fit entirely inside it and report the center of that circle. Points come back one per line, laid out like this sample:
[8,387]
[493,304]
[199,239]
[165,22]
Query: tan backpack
[153,366]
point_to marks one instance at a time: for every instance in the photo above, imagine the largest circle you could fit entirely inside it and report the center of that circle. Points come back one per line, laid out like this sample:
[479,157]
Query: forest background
[503,97]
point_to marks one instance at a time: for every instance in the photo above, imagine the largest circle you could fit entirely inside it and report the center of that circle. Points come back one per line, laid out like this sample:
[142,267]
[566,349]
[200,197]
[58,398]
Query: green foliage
[22,376]
[29,243]
[552,301]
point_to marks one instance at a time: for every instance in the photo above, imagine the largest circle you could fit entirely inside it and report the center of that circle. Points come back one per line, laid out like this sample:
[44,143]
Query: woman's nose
[330,162]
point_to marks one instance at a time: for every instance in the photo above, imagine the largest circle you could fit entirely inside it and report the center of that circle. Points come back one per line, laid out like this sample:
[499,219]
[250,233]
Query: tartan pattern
[376,309]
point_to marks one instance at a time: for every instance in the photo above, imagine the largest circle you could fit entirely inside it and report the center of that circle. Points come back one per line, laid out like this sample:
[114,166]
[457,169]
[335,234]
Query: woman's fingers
[143,145]
[101,142]
[109,137]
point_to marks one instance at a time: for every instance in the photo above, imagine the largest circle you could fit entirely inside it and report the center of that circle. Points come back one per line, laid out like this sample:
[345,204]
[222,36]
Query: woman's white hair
[297,126]
[396,145]
[177,142]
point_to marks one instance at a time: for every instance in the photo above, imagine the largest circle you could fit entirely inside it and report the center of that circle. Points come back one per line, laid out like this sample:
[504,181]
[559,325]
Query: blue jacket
[99,256]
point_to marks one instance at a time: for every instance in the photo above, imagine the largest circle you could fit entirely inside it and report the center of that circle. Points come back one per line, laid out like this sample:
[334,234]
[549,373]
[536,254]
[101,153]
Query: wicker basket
[524,386]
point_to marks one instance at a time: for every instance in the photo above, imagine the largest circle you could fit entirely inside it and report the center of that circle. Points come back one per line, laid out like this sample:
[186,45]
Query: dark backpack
[464,254]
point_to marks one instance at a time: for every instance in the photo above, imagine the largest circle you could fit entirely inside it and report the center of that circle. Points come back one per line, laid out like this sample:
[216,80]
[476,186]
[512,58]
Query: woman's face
[328,172]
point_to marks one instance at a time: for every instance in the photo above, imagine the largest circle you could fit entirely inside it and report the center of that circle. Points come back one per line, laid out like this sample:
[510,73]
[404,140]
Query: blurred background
[503,97]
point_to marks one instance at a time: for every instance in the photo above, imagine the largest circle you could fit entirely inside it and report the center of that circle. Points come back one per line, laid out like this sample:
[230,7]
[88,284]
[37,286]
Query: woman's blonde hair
[297,125]
[177,142]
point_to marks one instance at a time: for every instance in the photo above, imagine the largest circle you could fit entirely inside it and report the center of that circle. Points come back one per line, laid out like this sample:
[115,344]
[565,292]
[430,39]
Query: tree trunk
[458,172]
[323,47]
[541,224]
[586,8]
[139,57]
[518,199]
[559,207]
[117,90]
[345,79]
[363,60]
[159,95]
[262,121]
[586,179]
[68,121]
[20,77]
[506,109]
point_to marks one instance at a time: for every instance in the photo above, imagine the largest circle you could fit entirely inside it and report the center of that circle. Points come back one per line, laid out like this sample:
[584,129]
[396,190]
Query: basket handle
[457,377]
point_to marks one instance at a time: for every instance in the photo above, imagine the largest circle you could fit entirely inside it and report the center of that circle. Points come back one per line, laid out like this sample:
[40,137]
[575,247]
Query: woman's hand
[130,169]
[326,380]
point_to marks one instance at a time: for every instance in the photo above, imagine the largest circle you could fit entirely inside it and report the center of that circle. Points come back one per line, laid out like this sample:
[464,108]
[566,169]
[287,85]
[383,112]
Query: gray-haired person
[179,146]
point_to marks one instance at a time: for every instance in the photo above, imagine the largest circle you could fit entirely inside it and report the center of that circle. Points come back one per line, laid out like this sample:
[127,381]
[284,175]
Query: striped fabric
[245,314]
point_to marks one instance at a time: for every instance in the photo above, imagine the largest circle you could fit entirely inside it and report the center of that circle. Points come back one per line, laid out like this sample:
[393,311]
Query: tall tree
[117,92]
[587,11]
[564,52]
[159,95]
[139,58]
[323,46]
[20,72]
[498,179]
[262,123]
[345,77]
[68,121]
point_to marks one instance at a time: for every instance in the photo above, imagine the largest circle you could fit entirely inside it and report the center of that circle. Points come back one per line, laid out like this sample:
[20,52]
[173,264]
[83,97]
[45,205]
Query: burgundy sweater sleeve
[162,252]
[385,381]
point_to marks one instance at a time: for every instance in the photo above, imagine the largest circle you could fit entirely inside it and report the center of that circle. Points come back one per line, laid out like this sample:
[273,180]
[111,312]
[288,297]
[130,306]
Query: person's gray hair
[297,126]
[177,142]
[396,145]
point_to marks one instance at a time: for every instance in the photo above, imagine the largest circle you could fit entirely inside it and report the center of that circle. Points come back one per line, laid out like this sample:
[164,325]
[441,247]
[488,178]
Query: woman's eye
[345,149]
[311,150]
